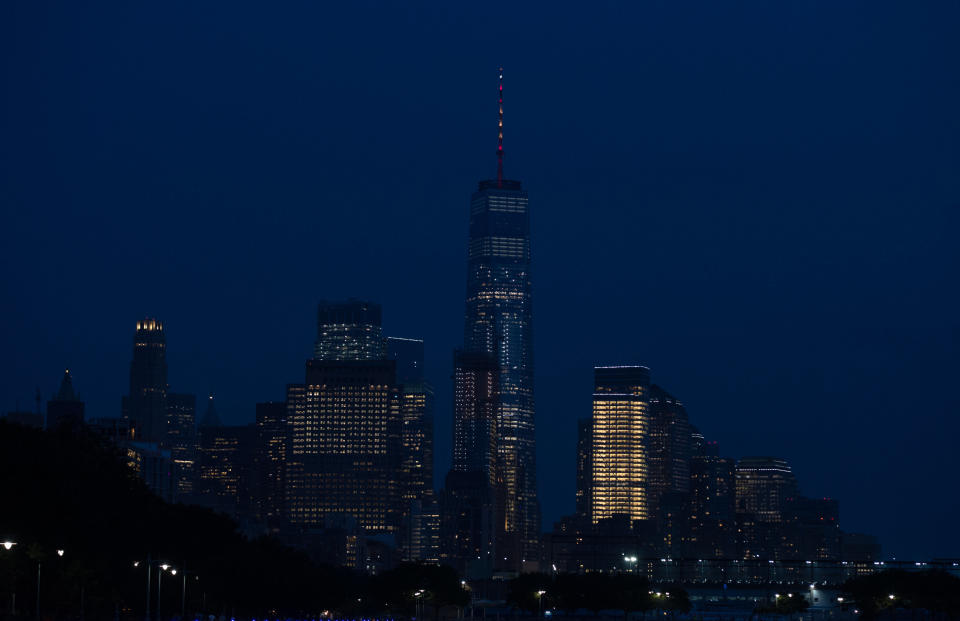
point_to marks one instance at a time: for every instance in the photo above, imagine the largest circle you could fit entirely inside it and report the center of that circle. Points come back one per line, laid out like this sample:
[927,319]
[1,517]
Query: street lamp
[540,595]
[164,567]
[8,545]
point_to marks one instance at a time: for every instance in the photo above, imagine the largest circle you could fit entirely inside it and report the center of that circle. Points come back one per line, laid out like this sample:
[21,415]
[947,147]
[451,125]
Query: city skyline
[777,306]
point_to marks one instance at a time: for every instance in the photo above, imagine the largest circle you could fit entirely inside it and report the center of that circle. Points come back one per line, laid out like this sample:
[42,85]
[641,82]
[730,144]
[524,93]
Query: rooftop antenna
[500,133]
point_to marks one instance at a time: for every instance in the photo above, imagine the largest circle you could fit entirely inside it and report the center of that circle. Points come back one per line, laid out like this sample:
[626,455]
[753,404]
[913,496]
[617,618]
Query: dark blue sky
[758,200]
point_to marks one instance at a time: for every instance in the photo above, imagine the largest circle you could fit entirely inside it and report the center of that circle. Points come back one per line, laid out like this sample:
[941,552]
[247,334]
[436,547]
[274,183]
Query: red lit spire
[500,133]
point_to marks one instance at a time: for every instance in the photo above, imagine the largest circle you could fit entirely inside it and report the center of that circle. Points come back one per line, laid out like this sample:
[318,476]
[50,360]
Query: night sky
[758,200]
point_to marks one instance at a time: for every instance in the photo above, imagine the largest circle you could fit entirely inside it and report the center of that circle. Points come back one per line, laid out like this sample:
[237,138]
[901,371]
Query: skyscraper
[668,449]
[181,439]
[349,330]
[420,523]
[620,427]
[345,447]
[499,322]
[473,492]
[584,468]
[712,501]
[224,464]
[763,486]
[270,455]
[146,405]
[417,412]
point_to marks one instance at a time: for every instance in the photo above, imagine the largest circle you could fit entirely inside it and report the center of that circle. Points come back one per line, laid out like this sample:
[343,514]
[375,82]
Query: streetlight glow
[8,544]
[59,552]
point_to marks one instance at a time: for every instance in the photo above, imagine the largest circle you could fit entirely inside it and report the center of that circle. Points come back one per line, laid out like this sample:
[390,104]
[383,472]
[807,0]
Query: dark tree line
[594,592]
[73,492]
[879,594]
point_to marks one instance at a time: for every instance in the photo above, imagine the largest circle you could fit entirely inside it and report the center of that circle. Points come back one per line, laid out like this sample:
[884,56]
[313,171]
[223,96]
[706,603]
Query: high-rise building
[584,468]
[499,322]
[146,405]
[763,486]
[668,451]
[345,448]
[472,505]
[620,428]
[419,526]
[181,439]
[417,412]
[224,459]
[349,330]
[712,524]
[476,391]
[269,470]
[65,410]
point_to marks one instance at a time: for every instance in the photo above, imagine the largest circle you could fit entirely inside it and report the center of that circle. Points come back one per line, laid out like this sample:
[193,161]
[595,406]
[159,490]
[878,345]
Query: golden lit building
[619,442]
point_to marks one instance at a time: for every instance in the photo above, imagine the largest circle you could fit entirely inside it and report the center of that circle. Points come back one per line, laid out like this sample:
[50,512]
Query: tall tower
[146,405]
[499,322]
[620,429]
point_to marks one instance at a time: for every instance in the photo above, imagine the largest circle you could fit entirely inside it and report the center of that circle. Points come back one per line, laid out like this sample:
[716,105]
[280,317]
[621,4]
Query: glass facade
[499,323]
[620,428]
[349,330]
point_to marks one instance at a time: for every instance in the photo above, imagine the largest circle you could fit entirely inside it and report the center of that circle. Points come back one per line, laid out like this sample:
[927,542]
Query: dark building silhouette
[499,322]
[584,468]
[181,440]
[224,464]
[763,486]
[349,330]
[812,528]
[712,506]
[269,468]
[668,451]
[419,527]
[472,511]
[146,404]
[25,418]
[65,410]
[345,446]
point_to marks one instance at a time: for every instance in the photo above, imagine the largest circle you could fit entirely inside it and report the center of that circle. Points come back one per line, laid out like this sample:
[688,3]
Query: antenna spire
[500,132]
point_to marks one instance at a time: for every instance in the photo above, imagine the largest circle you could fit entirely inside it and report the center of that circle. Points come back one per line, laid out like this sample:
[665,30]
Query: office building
[146,404]
[345,445]
[349,330]
[620,463]
[181,440]
[270,464]
[669,448]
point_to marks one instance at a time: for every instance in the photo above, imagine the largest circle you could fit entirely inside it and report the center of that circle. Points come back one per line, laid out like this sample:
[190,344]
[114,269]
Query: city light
[8,544]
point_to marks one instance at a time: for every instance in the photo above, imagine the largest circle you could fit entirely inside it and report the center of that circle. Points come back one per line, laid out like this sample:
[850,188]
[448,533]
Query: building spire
[500,132]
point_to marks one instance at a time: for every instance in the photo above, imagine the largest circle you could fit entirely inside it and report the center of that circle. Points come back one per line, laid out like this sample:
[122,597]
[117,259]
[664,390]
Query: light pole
[540,595]
[164,567]
[183,592]
[8,545]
